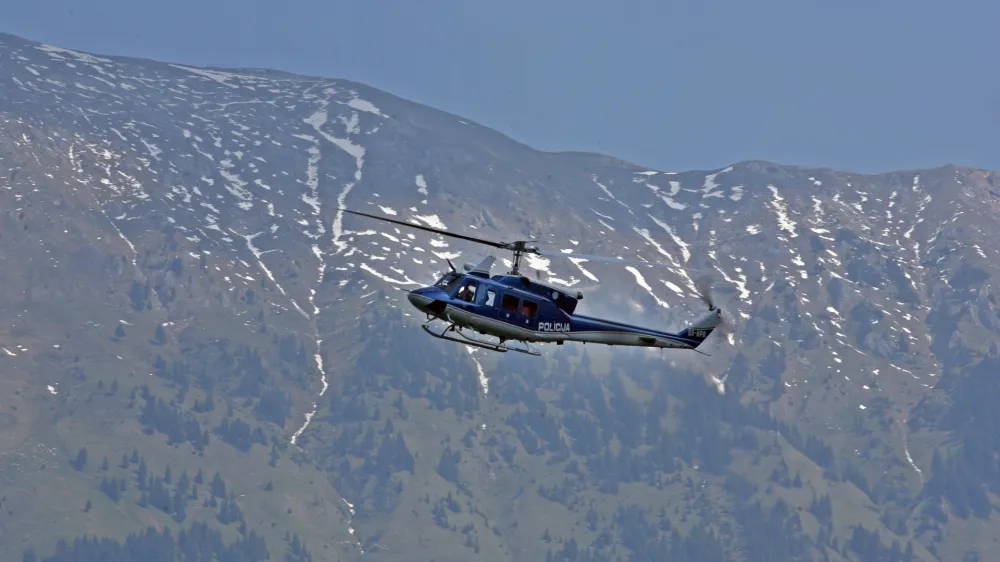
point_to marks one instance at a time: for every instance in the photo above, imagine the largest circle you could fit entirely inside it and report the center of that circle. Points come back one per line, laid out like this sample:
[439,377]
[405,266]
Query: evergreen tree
[179,506]
[273,461]
[142,473]
[197,543]
[80,462]
[184,483]
[111,488]
[218,486]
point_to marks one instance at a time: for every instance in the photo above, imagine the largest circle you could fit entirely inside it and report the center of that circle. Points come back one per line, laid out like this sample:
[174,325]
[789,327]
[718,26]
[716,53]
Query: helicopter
[514,308]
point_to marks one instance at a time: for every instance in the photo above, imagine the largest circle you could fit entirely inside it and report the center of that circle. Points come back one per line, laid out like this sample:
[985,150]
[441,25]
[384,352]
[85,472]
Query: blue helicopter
[512,307]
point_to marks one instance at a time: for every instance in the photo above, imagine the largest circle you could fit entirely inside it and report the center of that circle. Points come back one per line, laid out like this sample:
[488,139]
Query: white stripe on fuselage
[511,331]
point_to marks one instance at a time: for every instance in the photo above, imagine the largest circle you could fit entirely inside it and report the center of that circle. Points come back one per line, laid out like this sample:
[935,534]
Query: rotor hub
[519,248]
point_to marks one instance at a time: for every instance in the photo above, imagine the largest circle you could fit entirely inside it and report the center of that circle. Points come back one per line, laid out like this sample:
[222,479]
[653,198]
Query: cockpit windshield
[449,282]
[445,279]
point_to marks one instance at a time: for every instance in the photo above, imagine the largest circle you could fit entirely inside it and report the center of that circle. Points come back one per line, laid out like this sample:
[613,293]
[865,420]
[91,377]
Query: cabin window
[509,303]
[491,297]
[468,292]
[529,309]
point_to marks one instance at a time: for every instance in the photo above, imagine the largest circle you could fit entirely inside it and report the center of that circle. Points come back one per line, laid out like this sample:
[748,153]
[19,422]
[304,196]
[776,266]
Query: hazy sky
[863,85]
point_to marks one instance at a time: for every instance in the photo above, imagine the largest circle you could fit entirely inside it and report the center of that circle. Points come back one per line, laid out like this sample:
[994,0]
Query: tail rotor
[703,285]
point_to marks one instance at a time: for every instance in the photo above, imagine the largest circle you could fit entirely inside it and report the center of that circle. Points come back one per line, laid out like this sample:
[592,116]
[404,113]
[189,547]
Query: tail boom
[596,330]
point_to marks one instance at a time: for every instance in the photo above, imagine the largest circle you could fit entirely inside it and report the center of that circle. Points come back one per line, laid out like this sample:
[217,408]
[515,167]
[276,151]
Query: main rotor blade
[429,229]
[550,253]
[704,286]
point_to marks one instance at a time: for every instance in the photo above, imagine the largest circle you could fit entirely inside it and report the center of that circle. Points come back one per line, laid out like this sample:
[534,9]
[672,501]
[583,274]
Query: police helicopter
[513,308]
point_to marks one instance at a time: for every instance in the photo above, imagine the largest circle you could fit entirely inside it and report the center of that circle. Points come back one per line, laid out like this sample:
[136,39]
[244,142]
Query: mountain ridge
[218,304]
[264,71]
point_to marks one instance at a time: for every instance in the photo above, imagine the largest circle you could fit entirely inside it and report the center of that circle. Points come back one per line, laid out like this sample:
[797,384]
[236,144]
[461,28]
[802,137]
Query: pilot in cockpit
[467,293]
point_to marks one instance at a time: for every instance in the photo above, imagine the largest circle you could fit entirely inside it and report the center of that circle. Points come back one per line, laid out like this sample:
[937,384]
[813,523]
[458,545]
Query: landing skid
[498,347]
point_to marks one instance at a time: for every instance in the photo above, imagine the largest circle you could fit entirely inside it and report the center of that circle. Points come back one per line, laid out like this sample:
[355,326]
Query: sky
[856,85]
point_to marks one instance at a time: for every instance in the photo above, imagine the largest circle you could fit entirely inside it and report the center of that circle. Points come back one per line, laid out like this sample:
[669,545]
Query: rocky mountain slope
[201,354]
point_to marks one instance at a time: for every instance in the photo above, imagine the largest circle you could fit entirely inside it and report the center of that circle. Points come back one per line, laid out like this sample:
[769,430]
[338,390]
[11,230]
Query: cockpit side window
[468,291]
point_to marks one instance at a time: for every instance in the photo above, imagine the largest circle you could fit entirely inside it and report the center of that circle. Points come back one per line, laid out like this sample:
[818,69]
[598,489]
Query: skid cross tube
[499,348]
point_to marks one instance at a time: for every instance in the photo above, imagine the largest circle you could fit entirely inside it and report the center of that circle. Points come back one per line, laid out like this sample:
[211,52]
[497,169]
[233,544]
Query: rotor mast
[519,248]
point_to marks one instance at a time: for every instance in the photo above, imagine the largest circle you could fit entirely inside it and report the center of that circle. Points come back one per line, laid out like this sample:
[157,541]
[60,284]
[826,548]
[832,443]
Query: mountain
[203,357]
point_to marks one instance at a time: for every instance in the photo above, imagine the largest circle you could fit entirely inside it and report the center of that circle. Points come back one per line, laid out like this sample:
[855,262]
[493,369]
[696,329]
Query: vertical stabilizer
[702,327]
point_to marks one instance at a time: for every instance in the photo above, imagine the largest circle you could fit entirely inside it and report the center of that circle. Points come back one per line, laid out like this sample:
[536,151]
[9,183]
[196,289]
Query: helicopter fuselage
[513,307]
[516,308]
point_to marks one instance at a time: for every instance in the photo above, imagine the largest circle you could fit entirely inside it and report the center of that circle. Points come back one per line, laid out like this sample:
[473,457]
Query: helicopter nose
[419,301]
